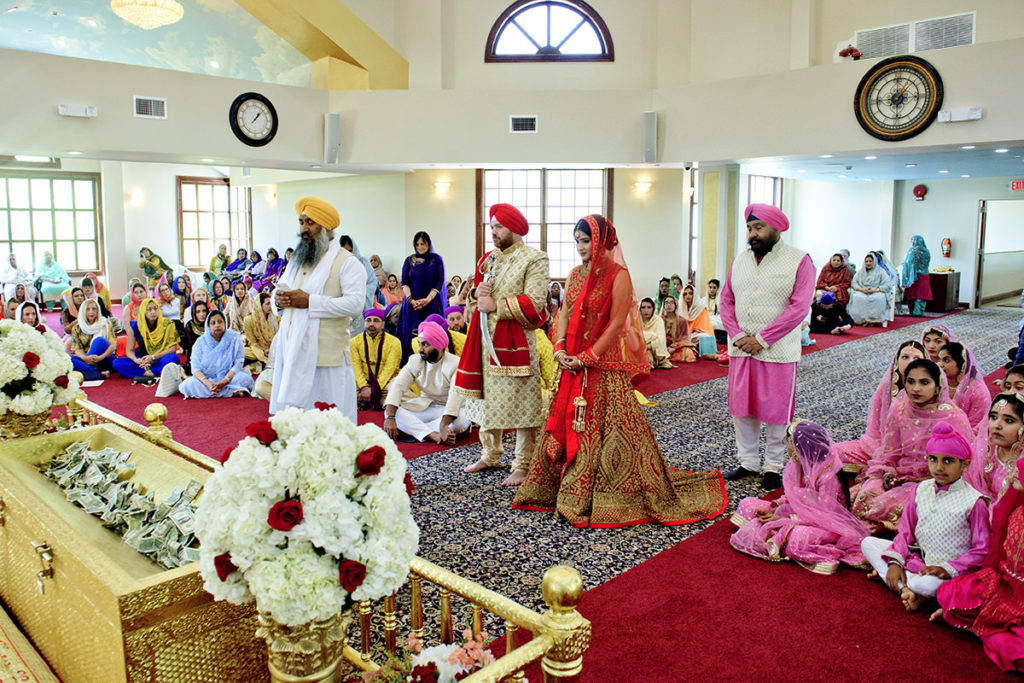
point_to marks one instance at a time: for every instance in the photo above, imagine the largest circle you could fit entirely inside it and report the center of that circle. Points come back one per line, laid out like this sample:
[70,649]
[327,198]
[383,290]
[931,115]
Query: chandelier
[148,14]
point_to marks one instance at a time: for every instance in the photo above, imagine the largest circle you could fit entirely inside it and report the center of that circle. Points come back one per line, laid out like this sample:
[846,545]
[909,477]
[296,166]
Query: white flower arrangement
[308,514]
[34,370]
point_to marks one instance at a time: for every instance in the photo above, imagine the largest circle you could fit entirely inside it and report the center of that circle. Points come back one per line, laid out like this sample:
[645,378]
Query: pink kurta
[763,390]
[974,398]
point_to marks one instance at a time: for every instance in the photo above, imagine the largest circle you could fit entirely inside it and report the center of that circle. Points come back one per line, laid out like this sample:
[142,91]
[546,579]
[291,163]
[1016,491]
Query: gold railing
[560,634]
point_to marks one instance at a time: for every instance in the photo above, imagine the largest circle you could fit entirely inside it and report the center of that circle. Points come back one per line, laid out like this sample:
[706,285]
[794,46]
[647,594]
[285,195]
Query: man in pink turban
[766,296]
[510,287]
[436,414]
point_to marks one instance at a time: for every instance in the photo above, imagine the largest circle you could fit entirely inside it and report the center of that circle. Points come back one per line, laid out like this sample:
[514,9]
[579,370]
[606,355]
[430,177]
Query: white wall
[737,38]
[827,217]
[1002,275]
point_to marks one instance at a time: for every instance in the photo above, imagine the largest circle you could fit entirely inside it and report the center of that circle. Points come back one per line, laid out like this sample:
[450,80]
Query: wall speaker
[332,137]
[650,150]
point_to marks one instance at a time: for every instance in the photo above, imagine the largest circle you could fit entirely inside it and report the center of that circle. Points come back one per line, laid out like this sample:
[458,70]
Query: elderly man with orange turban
[320,291]
[767,295]
[502,378]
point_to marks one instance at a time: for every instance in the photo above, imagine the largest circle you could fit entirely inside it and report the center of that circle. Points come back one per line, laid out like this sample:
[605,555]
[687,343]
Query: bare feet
[515,479]
[434,436]
[241,392]
[935,616]
[873,576]
[480,465]
[911,600]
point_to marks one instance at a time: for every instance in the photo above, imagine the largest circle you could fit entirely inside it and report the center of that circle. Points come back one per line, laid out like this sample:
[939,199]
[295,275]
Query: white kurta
[335,384]
[422,415]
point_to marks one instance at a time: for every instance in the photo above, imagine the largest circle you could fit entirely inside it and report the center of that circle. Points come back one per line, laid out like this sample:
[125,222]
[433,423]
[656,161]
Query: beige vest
[333,342]
[943,524]
[762,292]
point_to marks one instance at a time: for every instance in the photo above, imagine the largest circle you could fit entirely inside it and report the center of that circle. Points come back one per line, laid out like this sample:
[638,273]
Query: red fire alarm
[920,191]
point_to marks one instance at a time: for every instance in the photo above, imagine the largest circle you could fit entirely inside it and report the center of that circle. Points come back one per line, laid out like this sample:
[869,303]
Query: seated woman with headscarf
[217,359]
[258,265]
[218,295]
[237,307]
[93,342]
[94,289]
[836,278]
[393,292]
[152,265]
[197,296]
[51,279]
[28,313]
[871,293]
[170,305]
[654,335]
[131,312]
[13,275]
[378,270]
[194,328]
[20,297]
[151,343]
[238,266]
[181,287]
[915,280]
[681,347]
[268,278]
[259,327]
[69,316]
[702,330]
[220,260]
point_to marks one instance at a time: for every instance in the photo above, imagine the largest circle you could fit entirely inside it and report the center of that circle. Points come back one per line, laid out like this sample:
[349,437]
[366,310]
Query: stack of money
[98,482]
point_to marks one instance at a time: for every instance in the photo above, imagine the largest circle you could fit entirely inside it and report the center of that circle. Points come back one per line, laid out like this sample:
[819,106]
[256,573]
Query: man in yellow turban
[321,289]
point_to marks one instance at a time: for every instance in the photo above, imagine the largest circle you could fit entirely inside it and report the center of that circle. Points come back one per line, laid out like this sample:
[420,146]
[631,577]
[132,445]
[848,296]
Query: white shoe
[171,378]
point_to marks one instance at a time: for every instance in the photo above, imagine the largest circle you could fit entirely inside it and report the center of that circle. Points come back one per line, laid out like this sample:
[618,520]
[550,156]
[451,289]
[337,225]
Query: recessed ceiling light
[825,156]
[214,64]
[206,160]
[842,175]
[12,9]
[802,170]
[91,22]
[867,180]
[60,42]
[910,165]
[33,159]
[73,154]
[967,147]
[1002,150]
[965,175]
[870,157]
[316,166]
[945,170]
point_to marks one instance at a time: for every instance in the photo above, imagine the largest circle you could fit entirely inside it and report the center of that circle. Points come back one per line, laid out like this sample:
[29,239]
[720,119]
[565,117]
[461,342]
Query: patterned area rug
[467,524]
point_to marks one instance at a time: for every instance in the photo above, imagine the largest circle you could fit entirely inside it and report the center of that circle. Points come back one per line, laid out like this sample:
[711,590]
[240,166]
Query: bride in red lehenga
[597,463]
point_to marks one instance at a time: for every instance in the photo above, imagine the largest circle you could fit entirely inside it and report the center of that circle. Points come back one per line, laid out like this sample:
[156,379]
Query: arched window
[549,31]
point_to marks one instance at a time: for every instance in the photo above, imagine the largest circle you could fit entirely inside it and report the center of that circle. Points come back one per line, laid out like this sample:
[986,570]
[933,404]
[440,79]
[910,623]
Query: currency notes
[100,483]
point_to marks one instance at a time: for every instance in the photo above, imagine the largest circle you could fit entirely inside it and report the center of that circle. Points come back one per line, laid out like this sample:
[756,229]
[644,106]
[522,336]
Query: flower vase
[15,426]
[309,653]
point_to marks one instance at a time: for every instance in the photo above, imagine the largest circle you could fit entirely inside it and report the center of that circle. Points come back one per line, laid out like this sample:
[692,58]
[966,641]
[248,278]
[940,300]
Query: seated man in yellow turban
[321,289]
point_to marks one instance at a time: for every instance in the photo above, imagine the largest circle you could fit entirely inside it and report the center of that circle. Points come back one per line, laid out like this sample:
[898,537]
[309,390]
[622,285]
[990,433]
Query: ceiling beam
[328,30]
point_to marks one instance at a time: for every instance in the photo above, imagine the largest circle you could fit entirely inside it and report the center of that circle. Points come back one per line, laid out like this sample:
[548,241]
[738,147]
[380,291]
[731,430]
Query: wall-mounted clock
[898,98]
[253,119]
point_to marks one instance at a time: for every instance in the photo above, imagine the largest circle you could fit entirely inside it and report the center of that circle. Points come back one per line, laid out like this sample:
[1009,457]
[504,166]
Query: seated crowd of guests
[929,500]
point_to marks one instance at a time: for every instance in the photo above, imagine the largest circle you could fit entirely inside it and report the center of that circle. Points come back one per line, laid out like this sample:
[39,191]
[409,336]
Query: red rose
[30,360]
[409,488]
[320,405]
[227,454]
[225,567]
[61,381]
[351,574]
[263,431]
[370,461]
[285,514]
[424,673]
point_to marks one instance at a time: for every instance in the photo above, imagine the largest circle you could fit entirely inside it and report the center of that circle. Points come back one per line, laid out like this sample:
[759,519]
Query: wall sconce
[270,196]
[135,197]
[642,186]
[442,187]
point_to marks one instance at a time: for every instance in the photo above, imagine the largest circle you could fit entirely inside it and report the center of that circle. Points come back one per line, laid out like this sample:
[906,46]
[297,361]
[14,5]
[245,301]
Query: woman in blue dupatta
[871,292]
[217,359]
[423,284]
[916,283]
[238,266]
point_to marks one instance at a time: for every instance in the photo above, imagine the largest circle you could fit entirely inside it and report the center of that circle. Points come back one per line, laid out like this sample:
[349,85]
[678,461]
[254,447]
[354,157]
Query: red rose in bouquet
[225,567]
[263,431]
[370,461]
[61,381]
[351,574]
[320,405]
[30,360]
[285,514]
[409,487]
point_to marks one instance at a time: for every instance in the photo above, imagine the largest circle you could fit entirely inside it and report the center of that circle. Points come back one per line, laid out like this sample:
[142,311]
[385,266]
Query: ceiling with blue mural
[215,37]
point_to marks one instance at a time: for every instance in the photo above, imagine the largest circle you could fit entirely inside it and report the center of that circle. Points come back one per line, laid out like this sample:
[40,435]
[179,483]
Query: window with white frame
[552,200]
[764,190]
[59,213]
[211,213]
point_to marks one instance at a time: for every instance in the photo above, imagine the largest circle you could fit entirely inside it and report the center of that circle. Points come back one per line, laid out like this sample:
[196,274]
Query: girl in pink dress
[891,475]
[855,454]
[990,602]
[966,383]
[810,523]
[997,446]
[934,338]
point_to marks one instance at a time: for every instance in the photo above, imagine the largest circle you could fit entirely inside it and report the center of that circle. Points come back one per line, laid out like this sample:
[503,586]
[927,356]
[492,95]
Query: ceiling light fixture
[148,14]
[867,180]
[91,22]
[967,147]
[910,165]
[965,175]
[871,157]
[442,186]
[642,186]
[825,156]
[802,170]
[32,159]
[73,154]
[1002,150]
[842,175]
[944,170]
[214,64]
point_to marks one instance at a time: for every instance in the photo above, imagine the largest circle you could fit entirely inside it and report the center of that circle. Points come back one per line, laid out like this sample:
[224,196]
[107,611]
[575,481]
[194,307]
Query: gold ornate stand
[309,653]
[14,426]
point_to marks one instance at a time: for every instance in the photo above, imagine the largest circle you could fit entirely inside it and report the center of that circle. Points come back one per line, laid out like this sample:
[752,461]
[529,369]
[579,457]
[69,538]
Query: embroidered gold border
[852,467]
[469,393]
[510,371]
[512,303]
[738,519]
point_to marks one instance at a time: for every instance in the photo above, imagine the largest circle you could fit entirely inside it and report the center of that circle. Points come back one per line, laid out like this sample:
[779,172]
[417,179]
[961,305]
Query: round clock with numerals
[253,119]
[898,98]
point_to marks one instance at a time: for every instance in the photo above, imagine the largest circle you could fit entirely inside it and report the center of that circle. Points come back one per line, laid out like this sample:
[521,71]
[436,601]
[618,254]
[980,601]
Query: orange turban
[510,217]
[318,210]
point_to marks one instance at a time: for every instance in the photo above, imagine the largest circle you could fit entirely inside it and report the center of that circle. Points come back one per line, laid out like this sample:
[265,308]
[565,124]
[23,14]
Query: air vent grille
[917,36]
[150,107]
[522,124]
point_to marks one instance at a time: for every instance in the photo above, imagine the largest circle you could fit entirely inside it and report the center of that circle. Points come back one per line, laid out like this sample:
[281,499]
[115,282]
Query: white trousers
[418,424]
[873,548]
[748,436]
[526,438]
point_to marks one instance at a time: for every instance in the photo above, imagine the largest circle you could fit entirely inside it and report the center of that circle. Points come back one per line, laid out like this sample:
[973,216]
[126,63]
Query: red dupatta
[591,296]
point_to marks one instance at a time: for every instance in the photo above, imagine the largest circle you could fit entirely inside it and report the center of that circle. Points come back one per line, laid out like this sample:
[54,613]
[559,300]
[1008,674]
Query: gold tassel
[580,407]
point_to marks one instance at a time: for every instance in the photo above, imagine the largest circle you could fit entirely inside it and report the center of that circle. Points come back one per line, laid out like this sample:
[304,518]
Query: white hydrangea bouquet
[308,514]
[35,370]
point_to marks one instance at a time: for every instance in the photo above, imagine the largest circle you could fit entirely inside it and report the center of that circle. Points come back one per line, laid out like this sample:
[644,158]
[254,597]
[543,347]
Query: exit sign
[1017,185]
